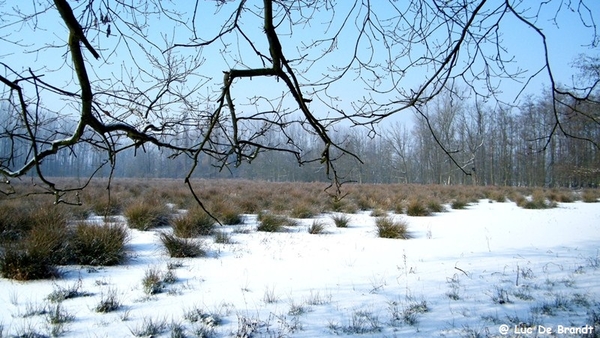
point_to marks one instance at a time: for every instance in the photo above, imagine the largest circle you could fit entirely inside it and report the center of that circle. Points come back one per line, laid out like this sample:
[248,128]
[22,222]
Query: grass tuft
[144,215]
[109,301]
[389,228]
[417,208]
[181,247]
[459,204]
[272,223]
[590,195]
[223,237]
[341,220]
[93,244]
[150,327]
[317,227]
[196,222]
[152,282]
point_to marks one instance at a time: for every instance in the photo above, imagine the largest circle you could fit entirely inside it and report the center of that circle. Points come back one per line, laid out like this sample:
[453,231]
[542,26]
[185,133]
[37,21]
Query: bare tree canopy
[217,78]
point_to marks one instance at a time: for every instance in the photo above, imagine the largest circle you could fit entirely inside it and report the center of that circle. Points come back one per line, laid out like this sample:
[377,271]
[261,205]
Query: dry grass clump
[590,195]
[390,228]
[345,205]
[537,200]
[195,222]
[19,263]
[269,222]
[317,227]
[181,247]
[459,203]
[416,207]
[95,244]
[228,213]
[496,194]
[303,210]
[562,196]
[340,220]
[146,214]
[40,237]
[37,245]
[434,205]
[15,220]
[378,212]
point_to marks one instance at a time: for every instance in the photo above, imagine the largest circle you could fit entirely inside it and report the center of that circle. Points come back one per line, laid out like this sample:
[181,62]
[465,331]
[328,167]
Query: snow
[464,272]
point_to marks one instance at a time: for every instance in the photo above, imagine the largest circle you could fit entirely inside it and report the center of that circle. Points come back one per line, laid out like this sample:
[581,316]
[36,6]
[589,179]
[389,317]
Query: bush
[417,208]
[143,215]
[388,228]
[93,244]
[196,222]
[341,220]
[181,247]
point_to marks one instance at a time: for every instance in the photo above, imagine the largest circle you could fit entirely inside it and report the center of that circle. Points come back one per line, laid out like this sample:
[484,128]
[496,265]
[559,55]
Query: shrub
[181,247]
[317,227]
[388,228]
[196,222]
[93,244]
[341,220]
[143,215]
[417,208]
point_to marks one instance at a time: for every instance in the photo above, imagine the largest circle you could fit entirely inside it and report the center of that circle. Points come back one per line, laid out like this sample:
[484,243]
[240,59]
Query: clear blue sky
[37,40]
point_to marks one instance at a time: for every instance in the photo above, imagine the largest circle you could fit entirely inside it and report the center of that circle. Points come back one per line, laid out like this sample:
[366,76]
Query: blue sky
[37,41]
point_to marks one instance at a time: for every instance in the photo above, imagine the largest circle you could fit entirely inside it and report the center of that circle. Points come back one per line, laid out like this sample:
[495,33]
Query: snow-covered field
[465,273]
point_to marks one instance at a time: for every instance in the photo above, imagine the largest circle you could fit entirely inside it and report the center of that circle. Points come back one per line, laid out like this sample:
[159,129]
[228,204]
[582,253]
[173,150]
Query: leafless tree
[133,73]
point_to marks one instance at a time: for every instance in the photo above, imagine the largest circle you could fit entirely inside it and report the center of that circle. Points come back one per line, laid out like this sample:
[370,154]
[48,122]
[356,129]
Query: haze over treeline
[487,146]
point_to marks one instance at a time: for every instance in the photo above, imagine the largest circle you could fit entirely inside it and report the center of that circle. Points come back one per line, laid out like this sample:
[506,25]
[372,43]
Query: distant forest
[452,143]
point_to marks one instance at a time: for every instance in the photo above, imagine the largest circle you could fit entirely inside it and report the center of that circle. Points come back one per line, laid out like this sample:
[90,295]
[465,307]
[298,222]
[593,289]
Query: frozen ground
[465,273]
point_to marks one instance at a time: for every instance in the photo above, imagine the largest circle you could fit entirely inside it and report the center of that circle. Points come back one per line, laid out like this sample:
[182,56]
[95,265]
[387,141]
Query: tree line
[449,142]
